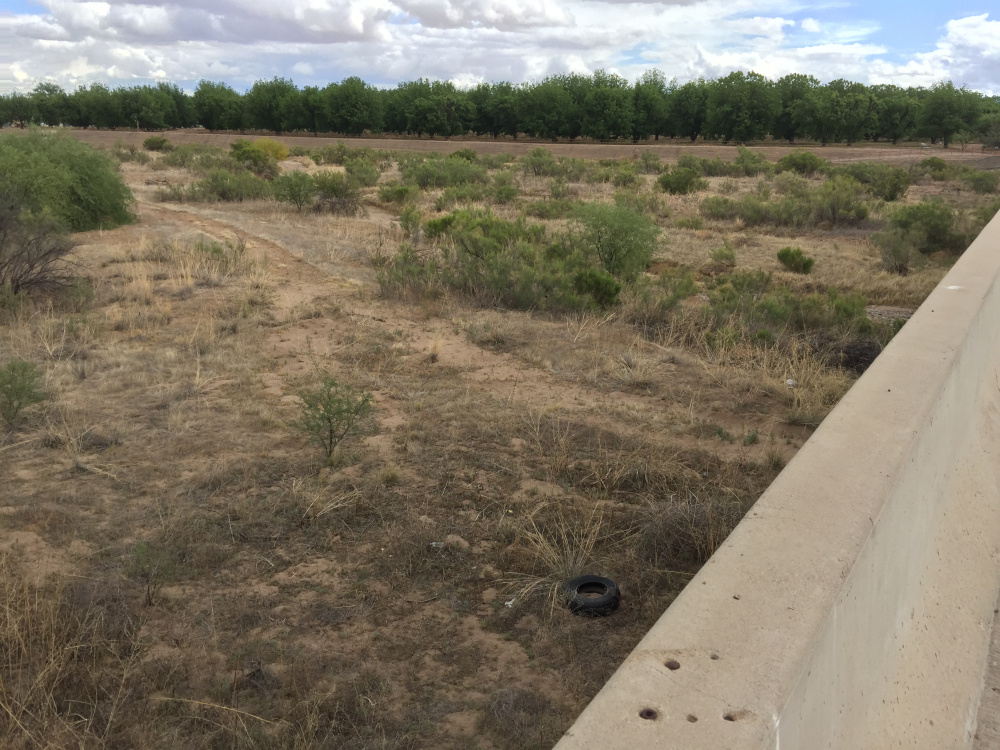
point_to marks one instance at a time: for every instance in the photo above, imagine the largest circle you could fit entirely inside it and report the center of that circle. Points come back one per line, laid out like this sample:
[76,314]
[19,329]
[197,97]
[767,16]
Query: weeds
[20,387]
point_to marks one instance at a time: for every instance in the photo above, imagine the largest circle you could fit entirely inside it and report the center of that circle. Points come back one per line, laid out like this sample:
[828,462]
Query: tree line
[740,107]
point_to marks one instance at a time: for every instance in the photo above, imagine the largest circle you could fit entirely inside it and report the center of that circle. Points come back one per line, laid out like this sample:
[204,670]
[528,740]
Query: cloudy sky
[73,42]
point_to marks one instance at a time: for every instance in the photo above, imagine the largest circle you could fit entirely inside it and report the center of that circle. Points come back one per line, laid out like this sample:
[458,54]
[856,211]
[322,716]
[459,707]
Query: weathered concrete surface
[853,607]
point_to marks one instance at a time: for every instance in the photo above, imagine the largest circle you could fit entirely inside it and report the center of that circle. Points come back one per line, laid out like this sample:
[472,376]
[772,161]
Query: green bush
[791,184]
[275,149]
[601,286]
[468,154]
[717,207]
[475,192]
[32,251]
[197,157]
[550,209]
[899,249]
[930,225]
[541,163]
[157,143]
[296,188]
[396,192]
[625,177]
[444,173]
[72,184]
[409,220]
[622,239]
[129,153]
[20,387]
[249,156]
[224,186]
[332,411]
[805,163]
[363,171]
[643,203]
[839,200]
[504,190]
[882,181]
[690,222]
[337,193]
[495,161]
[795,260]
[936,167]
[750,163]
[725,255]
[682,180]
[982,181]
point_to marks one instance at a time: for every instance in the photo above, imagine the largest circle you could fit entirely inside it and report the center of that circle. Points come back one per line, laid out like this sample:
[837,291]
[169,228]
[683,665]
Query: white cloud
[466,41]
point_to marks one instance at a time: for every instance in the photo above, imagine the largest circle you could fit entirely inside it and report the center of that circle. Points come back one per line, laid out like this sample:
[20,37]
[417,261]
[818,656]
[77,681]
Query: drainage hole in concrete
[714,657]
[649,713]
[672,665]
[692,718]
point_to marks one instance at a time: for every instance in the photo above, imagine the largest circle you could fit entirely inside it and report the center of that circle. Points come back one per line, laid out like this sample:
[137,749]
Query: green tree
[947,110]
[741,107]
[791,90]
[52,104]
[650,105]
[217,106]
[265,103]
[897,113]
[687,109]
[354,107]
[331,411]
[546,110]
[607,107]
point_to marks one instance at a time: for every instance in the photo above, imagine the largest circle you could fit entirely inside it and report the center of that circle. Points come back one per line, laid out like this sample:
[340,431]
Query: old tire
[592,596]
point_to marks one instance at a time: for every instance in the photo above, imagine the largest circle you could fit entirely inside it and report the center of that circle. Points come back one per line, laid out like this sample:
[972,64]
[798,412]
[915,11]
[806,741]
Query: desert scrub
[20,387]
[331,411]
[296,188]
[73,184]
[795,260]
[682,180]
[337,193]
[157,143]
[32,251]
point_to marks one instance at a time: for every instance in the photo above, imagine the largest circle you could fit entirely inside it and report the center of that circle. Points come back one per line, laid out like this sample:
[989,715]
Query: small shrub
[32,252]
[932,222]
[718,207]
[248,156]
[337,193]
[622,239]
[363,171]
[296,188]
[725,255]
[225,186]
[899,249]
[551,209]
[981,181]
[840,200]
[396,192]
[600,285]
[795,260]
[409,221]
[331,411]
[157,143]
[444,173]
[791,184]
[690,222]
[728,187]
[649,163]
[541,163]
[882,181]
[643,203]
[20,387]
[934,166]
[275,149]
[625,177]
[681,181]
[464,153]
[504,190]
[803,162]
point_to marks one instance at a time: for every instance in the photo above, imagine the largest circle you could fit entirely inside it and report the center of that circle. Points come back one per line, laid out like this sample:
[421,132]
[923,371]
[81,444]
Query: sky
[314,42]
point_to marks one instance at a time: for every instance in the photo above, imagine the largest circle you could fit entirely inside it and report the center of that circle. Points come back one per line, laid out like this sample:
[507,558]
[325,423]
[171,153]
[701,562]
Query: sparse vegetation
[20,387]
[795,260]
[549,401]
[331,411]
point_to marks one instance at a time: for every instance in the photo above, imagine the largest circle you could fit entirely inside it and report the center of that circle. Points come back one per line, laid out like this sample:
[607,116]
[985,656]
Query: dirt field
[668,149]
[254,597]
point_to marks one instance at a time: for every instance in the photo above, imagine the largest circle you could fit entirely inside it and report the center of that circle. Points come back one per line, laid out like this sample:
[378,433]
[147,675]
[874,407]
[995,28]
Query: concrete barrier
[853,606]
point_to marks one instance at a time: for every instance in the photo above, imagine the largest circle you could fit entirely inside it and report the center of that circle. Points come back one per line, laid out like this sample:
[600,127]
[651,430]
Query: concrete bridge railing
[853,606]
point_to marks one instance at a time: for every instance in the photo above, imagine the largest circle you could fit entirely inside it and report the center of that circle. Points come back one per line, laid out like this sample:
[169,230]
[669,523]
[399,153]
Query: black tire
[592,596]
